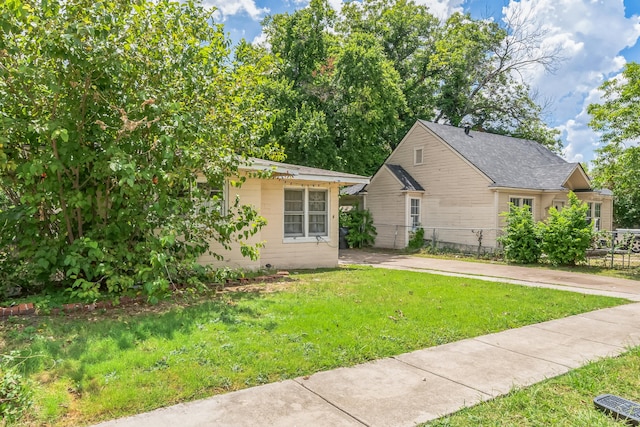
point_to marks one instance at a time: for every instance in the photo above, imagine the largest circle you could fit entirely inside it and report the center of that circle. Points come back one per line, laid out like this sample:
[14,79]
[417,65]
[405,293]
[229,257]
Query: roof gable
[507,161]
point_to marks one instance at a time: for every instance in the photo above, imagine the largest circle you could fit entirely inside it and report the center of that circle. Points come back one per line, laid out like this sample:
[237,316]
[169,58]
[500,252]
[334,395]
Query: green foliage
[617,166]
[327,320]
[416,241]
[109,110]
[566,235]
[520,240]
[362,233]
[15,392]
[346,86]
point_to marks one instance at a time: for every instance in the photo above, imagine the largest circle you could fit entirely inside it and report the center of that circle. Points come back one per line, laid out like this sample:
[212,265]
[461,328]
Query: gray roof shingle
[408,182]
[507,161]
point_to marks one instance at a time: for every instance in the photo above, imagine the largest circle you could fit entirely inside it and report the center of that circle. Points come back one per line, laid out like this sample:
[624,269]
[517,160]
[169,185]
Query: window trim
[413,224]
[308,236]
[521,203]
[591,214]
[415,154]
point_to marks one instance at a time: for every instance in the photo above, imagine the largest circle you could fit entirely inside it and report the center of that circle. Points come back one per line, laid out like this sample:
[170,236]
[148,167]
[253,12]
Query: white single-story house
[300,205]
[455,183]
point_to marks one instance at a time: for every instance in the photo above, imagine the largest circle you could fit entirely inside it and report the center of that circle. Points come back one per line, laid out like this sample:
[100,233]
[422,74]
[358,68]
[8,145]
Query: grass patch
[563,401]
[630,271]
[98,366]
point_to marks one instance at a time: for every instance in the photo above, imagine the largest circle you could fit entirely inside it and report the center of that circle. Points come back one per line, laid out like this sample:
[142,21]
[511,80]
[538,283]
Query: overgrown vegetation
[563,237]
[566,235]
[109,112]
[321,321]
[520,241]
[416,240]
[361,231]
[15,393]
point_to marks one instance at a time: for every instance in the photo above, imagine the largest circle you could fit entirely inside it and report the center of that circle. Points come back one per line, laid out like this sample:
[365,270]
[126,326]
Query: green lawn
[98,366]
[565,401]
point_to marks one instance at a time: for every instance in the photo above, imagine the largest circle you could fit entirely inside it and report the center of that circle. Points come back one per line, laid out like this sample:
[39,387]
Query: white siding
[457,200]
[267,196]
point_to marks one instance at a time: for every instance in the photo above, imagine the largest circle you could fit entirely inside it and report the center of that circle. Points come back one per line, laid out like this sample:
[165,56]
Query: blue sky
[596,37]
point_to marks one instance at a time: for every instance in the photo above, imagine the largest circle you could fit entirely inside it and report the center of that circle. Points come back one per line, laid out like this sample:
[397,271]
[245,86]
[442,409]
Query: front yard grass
[95,366]
[565,401]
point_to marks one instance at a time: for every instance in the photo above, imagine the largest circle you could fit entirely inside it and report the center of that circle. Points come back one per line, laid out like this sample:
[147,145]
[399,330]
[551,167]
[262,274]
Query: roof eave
[345,180]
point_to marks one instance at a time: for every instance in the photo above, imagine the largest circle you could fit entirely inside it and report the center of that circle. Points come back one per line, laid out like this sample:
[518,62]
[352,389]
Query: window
[415,213]
[306,213]
[417,156]
[558,204]
[594,213]
[522,201]
[213,197]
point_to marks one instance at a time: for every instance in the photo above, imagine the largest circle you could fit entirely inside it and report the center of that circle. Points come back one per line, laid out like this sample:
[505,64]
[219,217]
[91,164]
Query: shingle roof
[507,161]
[354,190]
[409,184]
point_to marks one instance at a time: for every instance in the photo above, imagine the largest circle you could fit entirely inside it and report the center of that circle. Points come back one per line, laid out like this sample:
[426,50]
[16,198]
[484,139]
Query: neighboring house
[455,183]
[300,205]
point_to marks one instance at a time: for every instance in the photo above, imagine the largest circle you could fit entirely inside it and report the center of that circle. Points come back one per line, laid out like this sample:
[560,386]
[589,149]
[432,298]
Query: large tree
[337,98]
[348,85]
[108,111]
[617,165]
[460,70]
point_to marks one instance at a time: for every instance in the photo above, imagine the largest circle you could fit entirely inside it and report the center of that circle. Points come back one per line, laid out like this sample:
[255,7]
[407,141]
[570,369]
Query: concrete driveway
[528,276]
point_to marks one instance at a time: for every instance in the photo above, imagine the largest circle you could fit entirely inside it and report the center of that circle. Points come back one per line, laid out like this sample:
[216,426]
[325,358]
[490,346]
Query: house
[300,205]
[455,183]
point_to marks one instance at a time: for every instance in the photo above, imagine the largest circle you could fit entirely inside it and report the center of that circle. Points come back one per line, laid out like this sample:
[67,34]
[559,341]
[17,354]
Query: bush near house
[564,237]
[362,233]
[521,240]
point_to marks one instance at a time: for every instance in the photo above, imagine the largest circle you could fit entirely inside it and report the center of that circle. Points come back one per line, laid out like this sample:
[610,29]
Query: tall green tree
[109,110]
[347,86]
[617,165]
[461,71]
[337,105]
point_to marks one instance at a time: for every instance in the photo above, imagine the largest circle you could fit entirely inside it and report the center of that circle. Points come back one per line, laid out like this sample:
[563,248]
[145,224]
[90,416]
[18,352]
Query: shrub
[15,394]
[417,240]
[520,240]
[362,232]
[566,235]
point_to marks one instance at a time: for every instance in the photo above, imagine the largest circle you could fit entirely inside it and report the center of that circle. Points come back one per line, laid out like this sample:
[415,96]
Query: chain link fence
[476,240]
[618,248]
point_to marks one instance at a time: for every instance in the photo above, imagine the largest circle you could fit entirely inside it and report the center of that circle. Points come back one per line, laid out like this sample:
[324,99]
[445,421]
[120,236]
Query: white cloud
[227,8]
[442,9]
[589,36]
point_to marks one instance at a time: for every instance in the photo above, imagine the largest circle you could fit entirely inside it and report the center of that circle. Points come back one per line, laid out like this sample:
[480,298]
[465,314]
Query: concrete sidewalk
[423,385]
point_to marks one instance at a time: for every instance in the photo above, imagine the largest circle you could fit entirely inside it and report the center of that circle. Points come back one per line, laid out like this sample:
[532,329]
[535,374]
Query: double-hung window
[212,198]
[522,201]
[415,213]
[306,213]
[594,213]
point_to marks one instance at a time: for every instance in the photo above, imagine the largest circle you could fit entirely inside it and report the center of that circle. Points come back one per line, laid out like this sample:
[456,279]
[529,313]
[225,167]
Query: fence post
[614,235]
